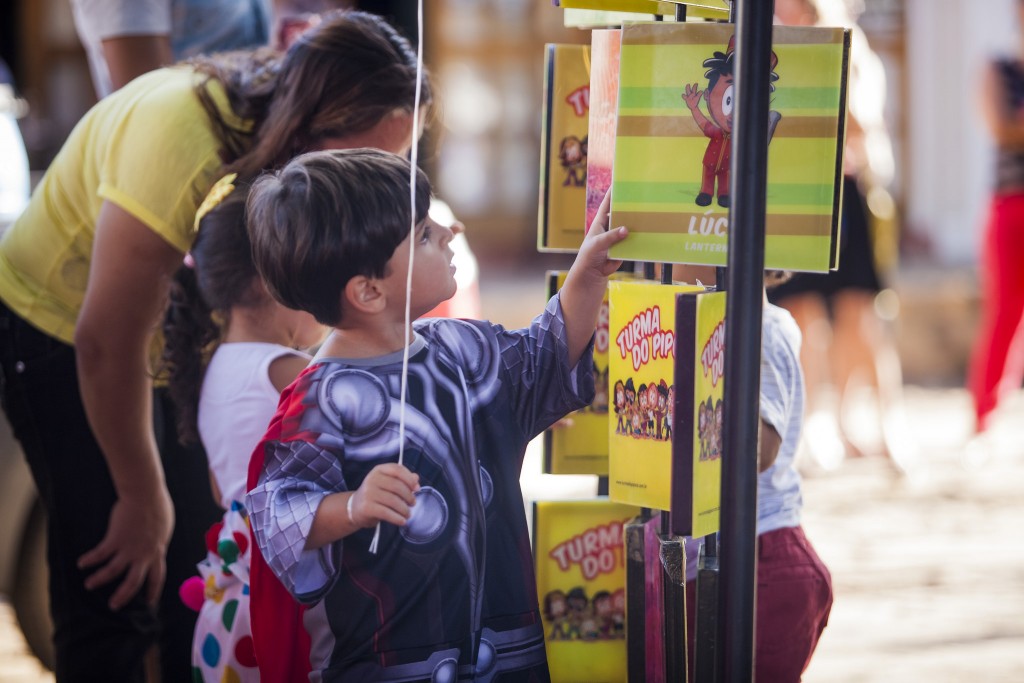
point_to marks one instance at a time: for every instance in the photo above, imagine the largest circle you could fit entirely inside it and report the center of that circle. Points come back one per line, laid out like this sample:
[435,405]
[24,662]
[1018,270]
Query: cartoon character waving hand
[717,125]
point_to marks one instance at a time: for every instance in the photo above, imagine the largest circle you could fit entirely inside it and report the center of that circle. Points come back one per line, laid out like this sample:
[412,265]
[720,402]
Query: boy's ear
[363,294]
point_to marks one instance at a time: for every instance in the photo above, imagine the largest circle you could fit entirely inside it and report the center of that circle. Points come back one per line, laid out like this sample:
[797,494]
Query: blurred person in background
[997,361]
[846,343]
[14,173]
[124,39]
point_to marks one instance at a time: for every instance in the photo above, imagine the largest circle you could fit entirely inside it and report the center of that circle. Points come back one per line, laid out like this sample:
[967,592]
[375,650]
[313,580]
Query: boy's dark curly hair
[327,217]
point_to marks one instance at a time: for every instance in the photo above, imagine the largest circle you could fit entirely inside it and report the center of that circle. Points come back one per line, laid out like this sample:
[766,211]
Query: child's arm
[768,446]
[386,495]
[584,287]
[214,489]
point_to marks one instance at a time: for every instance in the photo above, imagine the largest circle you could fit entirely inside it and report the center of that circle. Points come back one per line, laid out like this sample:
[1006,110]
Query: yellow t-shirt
[148,148]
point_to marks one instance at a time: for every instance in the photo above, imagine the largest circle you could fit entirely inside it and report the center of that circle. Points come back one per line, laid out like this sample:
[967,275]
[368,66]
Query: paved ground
[928,568]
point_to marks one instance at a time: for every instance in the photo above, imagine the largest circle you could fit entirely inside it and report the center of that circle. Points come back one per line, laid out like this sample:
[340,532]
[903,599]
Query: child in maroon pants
[794,588]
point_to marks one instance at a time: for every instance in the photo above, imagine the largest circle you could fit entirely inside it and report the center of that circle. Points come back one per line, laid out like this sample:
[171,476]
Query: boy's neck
[366,341]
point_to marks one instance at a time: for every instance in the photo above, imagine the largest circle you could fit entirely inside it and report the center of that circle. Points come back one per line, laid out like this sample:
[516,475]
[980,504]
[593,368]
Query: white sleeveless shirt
[236,404]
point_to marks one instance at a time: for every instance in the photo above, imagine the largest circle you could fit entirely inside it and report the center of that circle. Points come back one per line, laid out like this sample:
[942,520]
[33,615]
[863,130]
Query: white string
[413,163]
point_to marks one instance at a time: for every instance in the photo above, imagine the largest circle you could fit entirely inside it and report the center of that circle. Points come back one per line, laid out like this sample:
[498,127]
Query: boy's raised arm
[584,287]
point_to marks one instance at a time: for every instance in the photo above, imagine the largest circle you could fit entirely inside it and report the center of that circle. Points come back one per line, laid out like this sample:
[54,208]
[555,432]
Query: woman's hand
[134,546]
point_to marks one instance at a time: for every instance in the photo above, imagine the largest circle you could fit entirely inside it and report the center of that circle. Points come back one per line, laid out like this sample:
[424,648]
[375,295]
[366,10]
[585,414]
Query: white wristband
[348,508]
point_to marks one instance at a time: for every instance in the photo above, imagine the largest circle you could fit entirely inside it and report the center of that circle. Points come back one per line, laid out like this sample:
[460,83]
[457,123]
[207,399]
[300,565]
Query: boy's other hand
[387,495]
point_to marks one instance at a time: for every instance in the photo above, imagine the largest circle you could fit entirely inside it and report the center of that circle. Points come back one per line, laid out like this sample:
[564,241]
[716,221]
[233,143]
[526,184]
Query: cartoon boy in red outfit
[720,102]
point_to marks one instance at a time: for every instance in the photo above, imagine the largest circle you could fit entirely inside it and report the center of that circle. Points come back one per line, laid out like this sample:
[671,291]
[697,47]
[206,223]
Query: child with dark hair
[230,350]
[447,592]
[794,587]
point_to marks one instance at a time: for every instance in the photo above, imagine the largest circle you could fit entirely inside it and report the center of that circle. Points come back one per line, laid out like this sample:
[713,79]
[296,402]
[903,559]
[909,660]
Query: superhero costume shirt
[451,596]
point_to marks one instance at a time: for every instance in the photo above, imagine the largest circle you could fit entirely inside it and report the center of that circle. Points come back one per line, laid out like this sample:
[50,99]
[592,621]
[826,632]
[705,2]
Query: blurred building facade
[483,150]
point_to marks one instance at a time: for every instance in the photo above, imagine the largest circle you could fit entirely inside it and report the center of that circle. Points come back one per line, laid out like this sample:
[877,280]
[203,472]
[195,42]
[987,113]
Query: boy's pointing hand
[593,255]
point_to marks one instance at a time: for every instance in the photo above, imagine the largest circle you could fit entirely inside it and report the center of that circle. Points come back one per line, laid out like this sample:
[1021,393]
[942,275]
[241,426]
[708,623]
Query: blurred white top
[14,178]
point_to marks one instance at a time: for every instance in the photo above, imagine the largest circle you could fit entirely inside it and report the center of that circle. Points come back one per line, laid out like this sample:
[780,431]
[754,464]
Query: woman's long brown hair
[339,78]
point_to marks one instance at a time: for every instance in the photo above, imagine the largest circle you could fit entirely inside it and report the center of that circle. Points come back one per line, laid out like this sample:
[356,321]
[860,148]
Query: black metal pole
[745,282]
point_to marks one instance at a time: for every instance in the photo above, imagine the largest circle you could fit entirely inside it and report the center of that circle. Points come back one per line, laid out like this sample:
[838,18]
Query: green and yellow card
[671,176]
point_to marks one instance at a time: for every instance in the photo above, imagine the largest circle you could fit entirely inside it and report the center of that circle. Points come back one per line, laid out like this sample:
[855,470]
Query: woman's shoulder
[170,87]
[170,96]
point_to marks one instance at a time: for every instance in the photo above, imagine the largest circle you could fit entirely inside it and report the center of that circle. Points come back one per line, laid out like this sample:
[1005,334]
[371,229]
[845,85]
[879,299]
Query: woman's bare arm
[126,294]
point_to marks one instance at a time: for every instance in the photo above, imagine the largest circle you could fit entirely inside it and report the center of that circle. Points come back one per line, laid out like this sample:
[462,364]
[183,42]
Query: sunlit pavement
[928,568]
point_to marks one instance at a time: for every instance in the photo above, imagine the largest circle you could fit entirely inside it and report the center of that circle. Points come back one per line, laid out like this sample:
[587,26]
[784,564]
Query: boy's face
[433,275]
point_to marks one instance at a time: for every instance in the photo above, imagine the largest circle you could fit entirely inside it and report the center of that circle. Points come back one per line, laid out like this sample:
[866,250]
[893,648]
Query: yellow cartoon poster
[579,445]
[697,451]
[671,179]
[581,580]
[563,177]
[641,364]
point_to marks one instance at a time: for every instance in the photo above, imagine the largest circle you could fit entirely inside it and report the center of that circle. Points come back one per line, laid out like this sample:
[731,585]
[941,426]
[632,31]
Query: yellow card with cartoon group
[641,366]
[563,173]
[580,444]
[699,413]
[578,548]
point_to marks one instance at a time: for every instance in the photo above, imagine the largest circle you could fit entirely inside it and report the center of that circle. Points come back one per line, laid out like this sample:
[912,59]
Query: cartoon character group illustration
[709,429]
[644,413]
[572,153]
[600,402]
[572,616]
[717,124]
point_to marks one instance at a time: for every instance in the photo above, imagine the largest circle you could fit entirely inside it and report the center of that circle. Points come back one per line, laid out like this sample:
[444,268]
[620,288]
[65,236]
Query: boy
[449,592]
